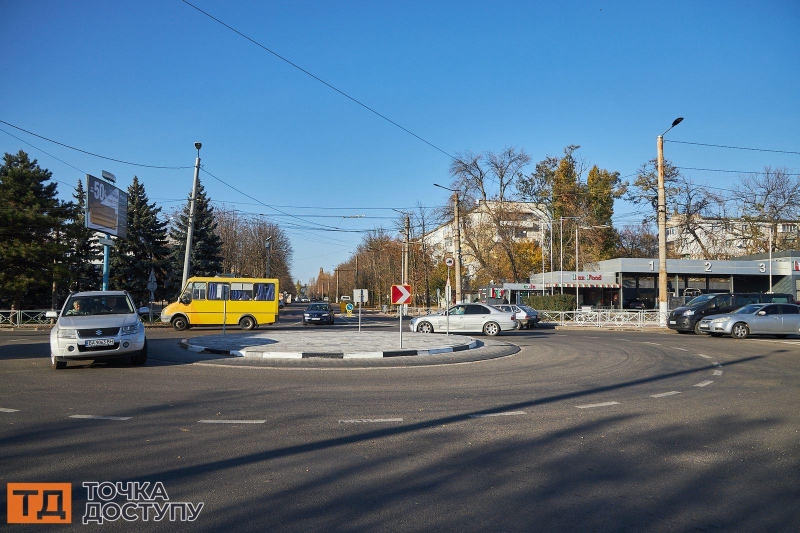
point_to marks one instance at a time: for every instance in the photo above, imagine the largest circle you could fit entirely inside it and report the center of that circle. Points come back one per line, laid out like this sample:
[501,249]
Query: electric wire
[734,147]
[301,69]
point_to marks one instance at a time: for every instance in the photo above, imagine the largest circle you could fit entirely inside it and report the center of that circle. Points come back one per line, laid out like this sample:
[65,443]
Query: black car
[633,303]
[318,313]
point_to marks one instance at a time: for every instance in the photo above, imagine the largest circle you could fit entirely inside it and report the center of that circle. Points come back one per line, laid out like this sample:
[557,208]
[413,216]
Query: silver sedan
[466,318]
[780,320]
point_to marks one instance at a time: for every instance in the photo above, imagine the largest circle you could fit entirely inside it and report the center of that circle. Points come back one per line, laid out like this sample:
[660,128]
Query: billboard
[106,207]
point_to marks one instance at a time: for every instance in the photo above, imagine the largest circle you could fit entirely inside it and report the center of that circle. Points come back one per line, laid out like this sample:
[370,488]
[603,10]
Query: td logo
[39,503]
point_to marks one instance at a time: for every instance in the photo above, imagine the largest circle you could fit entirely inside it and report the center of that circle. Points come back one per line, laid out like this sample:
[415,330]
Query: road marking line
[231,421]
[670,393]
[507,413]
[604,404]
[623,340]
[703,355]
[369,420]
[98,417]
[704,383]
[7,410]
[717,372]
[592,337]
[681,349]
[653,343]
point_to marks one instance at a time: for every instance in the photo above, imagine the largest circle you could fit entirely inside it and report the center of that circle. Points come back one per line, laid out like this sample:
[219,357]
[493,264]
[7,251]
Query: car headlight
[130,330]
[306,315]
[688,312]
[67,333]
[325,314]
[719,320]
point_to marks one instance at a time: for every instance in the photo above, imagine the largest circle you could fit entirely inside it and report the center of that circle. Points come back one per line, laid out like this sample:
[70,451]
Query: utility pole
[458,248]
[406,250]
[663,305]
[269,253]
[190,226]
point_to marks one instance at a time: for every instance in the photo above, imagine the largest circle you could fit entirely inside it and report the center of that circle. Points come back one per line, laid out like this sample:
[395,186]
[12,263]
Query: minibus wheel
[180,323]
[247,323]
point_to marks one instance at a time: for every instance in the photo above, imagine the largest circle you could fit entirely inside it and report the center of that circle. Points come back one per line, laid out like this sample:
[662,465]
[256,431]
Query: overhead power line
[304,71]
[735,147]
[729,171]
[91,153]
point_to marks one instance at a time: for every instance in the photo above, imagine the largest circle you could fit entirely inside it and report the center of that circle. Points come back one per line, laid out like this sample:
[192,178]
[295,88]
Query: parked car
[466,318]
[780,320]
[97,325]
[526,317]
[633,303]
[687,318]
[318,313]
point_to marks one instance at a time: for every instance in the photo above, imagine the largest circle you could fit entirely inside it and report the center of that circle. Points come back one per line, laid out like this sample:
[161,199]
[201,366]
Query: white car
[97,325]
[466,318]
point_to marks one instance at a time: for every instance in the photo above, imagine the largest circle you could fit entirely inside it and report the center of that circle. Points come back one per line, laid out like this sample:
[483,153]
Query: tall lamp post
[663,306]
[457,244]
[269,253]
[190,226]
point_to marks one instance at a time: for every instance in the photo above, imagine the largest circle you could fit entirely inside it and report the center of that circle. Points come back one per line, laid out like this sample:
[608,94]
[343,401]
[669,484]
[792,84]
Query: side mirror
[184,300]
[51,314]
[761,313]
[144,310]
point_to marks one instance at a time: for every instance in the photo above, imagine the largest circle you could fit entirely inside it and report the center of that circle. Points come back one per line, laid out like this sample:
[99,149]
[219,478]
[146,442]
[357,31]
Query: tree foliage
[31,220]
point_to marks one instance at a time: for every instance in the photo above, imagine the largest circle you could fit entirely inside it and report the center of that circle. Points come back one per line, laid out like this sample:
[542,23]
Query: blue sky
[142,81]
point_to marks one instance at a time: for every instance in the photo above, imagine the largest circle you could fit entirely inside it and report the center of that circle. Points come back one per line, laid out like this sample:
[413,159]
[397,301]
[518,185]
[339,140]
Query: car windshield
[703,298]
[748,309]
[98,305]
[318,307]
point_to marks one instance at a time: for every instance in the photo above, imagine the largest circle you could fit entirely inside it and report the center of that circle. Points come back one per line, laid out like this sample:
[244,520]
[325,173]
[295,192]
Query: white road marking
[717,372]
[370,420]
[670,393]
[7,410]
[590,406]
[592,337]
[681,349]
[705,356]
[623,340]
[653,343]
[560,335]
[704,383]
[98,417]
[231,421]
[507,413]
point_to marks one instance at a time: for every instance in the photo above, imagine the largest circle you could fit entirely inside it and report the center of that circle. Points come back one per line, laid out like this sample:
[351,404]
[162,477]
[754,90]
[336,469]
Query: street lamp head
[198,145]
[445,188]
[677,121]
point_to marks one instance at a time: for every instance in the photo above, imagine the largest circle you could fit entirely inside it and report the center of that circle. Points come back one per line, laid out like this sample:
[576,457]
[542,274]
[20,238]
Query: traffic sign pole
[401,294]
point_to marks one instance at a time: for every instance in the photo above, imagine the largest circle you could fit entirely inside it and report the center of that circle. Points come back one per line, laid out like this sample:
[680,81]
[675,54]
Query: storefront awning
[583,285]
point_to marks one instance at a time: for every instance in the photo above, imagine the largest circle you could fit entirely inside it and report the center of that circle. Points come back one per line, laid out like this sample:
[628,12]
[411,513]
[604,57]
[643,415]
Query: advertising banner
[106,207]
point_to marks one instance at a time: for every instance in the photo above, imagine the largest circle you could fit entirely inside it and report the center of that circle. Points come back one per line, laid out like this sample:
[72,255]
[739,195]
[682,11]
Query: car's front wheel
[141,357]
[491,329]
[424,327]
[57,365]
[180,323]
[697,330]
[740,331]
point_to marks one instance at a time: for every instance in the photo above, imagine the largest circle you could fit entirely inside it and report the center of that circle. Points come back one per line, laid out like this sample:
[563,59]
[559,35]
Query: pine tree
[31,218]
[143,249]
[206,257]
[84,256]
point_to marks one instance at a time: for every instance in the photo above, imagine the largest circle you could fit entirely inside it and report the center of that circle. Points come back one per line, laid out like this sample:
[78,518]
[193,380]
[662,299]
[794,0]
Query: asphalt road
[579,430]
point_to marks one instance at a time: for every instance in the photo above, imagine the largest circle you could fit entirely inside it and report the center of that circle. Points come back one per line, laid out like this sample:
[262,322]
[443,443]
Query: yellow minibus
[212,301]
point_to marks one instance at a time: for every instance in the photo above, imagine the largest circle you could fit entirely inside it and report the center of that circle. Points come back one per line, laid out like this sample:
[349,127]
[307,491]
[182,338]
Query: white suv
[97,325]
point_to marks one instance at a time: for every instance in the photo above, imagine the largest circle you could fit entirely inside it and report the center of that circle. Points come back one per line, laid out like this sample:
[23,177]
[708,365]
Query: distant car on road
[527,317]
[633,303]
[780,320]
[318,313]
[466,318]
[97,325]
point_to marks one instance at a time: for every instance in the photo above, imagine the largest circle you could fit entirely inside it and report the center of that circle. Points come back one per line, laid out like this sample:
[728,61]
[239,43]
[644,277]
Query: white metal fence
[23,317]
[590,318]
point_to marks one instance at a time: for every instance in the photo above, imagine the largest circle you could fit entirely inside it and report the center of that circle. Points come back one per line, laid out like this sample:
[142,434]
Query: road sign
[151,281]
[105,242]
[401,294]
[449,261]
[360,296]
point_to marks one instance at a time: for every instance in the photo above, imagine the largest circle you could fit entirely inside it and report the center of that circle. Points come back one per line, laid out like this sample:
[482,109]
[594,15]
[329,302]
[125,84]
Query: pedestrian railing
[603,318]
[23,317]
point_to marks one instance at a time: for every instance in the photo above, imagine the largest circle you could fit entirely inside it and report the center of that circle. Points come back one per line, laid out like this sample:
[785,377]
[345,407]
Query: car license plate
[703,326]
[99,342]
[673,322]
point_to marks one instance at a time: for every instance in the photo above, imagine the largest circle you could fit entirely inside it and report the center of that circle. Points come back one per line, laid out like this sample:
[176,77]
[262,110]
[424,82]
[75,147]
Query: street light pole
[269,253]
[190,226]
[663,306]
[457,243]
